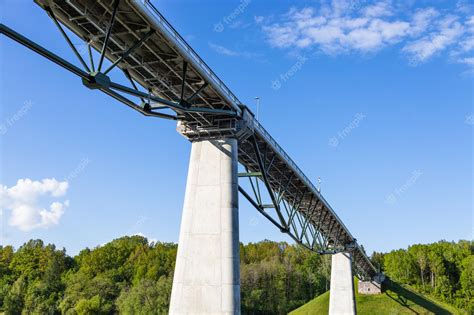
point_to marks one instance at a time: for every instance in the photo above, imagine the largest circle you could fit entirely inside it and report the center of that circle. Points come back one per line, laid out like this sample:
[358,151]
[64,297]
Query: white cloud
[339,7]
[223,50]
[421,20]
[335,30]
[465,6]
[463,53]
[258,19]
[282,36]
[378,9]
[23,201]
[232,53]
[344,26]
[448,32]
[467,60]
[467,45]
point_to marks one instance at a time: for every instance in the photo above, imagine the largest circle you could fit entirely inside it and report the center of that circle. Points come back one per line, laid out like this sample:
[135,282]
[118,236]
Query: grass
[396,299]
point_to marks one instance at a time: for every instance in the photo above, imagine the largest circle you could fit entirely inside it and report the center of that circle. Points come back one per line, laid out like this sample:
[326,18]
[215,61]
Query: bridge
[231,151]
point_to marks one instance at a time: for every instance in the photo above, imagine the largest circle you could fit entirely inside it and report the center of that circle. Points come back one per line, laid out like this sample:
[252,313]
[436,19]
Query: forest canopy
[132,276]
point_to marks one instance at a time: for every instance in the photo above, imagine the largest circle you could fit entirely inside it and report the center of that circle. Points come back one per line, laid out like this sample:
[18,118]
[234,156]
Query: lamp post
[257,100]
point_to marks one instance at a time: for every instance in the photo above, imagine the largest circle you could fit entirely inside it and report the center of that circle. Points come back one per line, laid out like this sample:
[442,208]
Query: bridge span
[169,80]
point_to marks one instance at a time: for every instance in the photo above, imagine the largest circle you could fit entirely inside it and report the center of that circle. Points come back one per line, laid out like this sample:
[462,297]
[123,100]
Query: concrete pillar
[207,275]
[341,294]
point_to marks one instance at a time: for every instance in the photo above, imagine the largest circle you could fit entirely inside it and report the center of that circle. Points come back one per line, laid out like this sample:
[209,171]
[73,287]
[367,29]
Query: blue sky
[375,98]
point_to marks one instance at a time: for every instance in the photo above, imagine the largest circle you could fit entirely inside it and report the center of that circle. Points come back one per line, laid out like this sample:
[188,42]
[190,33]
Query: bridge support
[207,275]
[341,294]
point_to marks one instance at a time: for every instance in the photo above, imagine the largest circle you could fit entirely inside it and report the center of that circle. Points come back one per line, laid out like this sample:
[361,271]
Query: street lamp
[257,100]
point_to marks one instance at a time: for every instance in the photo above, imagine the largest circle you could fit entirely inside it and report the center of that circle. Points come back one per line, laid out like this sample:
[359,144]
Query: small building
[371,286]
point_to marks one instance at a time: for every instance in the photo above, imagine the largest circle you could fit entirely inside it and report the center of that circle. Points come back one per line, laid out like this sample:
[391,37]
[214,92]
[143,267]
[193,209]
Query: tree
[14,299]
[420,256]
[399,266]
[467,282]
[377,260]
[146,297]
[6,278]
[94,305]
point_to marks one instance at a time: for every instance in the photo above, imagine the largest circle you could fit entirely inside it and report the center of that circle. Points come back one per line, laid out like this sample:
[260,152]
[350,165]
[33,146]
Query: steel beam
[53,17]
[129,51]
[42,51]
[267,184]
[107,36]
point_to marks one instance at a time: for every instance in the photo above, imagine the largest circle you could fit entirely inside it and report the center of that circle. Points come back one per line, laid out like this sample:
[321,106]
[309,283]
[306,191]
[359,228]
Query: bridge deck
[162,66]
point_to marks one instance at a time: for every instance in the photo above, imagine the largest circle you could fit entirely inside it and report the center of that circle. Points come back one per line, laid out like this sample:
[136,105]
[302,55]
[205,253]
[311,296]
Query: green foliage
[14,299]
[31,278]
[377,260]
[103,273]
[131,276]
[93,305]
[276,277]
[443,270]
[396,299]
[467,282]
[146,297]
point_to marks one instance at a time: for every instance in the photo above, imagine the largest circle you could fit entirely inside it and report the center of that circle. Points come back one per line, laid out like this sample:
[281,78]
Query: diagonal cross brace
[130,50]
[107,35]
[55,20]
[267,183]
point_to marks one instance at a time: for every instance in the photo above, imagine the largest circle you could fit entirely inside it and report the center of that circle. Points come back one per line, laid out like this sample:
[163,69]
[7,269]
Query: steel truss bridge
[169,80]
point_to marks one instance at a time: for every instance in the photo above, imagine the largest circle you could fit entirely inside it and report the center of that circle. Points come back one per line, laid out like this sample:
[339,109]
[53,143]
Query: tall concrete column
[207,276]
[341,294]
